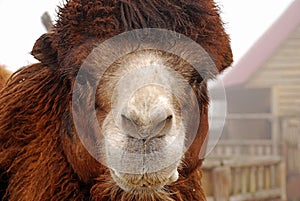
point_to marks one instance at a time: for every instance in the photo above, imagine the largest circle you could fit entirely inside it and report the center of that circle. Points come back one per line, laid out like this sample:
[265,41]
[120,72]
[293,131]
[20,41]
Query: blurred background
[258,155]
[20,23]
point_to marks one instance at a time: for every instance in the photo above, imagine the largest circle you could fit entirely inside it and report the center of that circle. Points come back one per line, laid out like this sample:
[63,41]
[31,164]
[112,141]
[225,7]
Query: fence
[230,148]
[245,179]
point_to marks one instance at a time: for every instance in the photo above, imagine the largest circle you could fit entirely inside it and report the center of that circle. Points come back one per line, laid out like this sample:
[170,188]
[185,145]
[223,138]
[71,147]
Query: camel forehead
[137,60]
[139,69]
[144,58]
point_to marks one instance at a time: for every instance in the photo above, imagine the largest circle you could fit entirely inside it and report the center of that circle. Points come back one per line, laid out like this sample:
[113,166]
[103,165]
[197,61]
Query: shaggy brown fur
[41,157]
[4,75]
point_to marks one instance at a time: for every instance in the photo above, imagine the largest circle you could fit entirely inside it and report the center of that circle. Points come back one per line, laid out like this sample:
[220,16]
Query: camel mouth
[145,183]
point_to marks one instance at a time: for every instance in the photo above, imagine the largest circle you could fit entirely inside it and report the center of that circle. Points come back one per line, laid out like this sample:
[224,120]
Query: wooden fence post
[222,183]
[282,180]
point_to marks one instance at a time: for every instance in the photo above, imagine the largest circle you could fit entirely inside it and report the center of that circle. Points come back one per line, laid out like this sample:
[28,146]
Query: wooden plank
[275,135]
[272,176]
[229,148]
[253,161]
[222,183]
[268,150]
[236,181]
[267,177]
[260,178]
[249,116]
[259,195]
[282,180]
[268,82]
[244,180]
[207,182]
[290,112]
[280,62]
[253,178]
[233,142]
[260,150]
[290,99]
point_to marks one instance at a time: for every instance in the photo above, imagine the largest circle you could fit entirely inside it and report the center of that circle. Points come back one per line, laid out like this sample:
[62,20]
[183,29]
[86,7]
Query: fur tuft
[4,75]
[80,20]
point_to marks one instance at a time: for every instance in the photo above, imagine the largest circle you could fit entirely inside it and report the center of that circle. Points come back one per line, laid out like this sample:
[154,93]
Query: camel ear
[45,51]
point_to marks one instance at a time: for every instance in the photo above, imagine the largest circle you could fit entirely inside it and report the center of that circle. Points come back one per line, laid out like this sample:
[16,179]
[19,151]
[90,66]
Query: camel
[116,108]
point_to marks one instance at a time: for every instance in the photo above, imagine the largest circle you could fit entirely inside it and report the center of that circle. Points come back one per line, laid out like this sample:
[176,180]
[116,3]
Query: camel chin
[144,183]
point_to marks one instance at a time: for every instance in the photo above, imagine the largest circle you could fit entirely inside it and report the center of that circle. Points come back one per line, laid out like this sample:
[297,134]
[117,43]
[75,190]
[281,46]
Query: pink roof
[263,49]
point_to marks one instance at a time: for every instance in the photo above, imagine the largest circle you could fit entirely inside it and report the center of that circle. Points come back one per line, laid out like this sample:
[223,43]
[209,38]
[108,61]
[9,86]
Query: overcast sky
[246,21]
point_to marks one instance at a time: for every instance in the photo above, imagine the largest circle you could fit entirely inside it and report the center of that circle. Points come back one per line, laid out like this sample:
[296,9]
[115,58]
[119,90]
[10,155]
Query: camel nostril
[169,117]
[125,118]
[161,128]
[128,124]
[144,122]
[144,139]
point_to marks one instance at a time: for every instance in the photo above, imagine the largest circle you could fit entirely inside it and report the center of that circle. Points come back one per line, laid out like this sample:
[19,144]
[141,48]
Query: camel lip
[143,186]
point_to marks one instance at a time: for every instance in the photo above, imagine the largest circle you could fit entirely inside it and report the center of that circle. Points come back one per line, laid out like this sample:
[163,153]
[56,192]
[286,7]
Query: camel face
[143,134]
[137,104]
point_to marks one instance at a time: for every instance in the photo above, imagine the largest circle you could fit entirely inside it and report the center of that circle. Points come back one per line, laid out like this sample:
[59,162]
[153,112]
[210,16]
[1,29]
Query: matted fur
[41,156]
[4,75]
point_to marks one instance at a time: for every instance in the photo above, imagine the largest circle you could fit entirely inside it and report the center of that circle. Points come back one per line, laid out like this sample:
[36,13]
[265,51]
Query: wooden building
[263,99]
